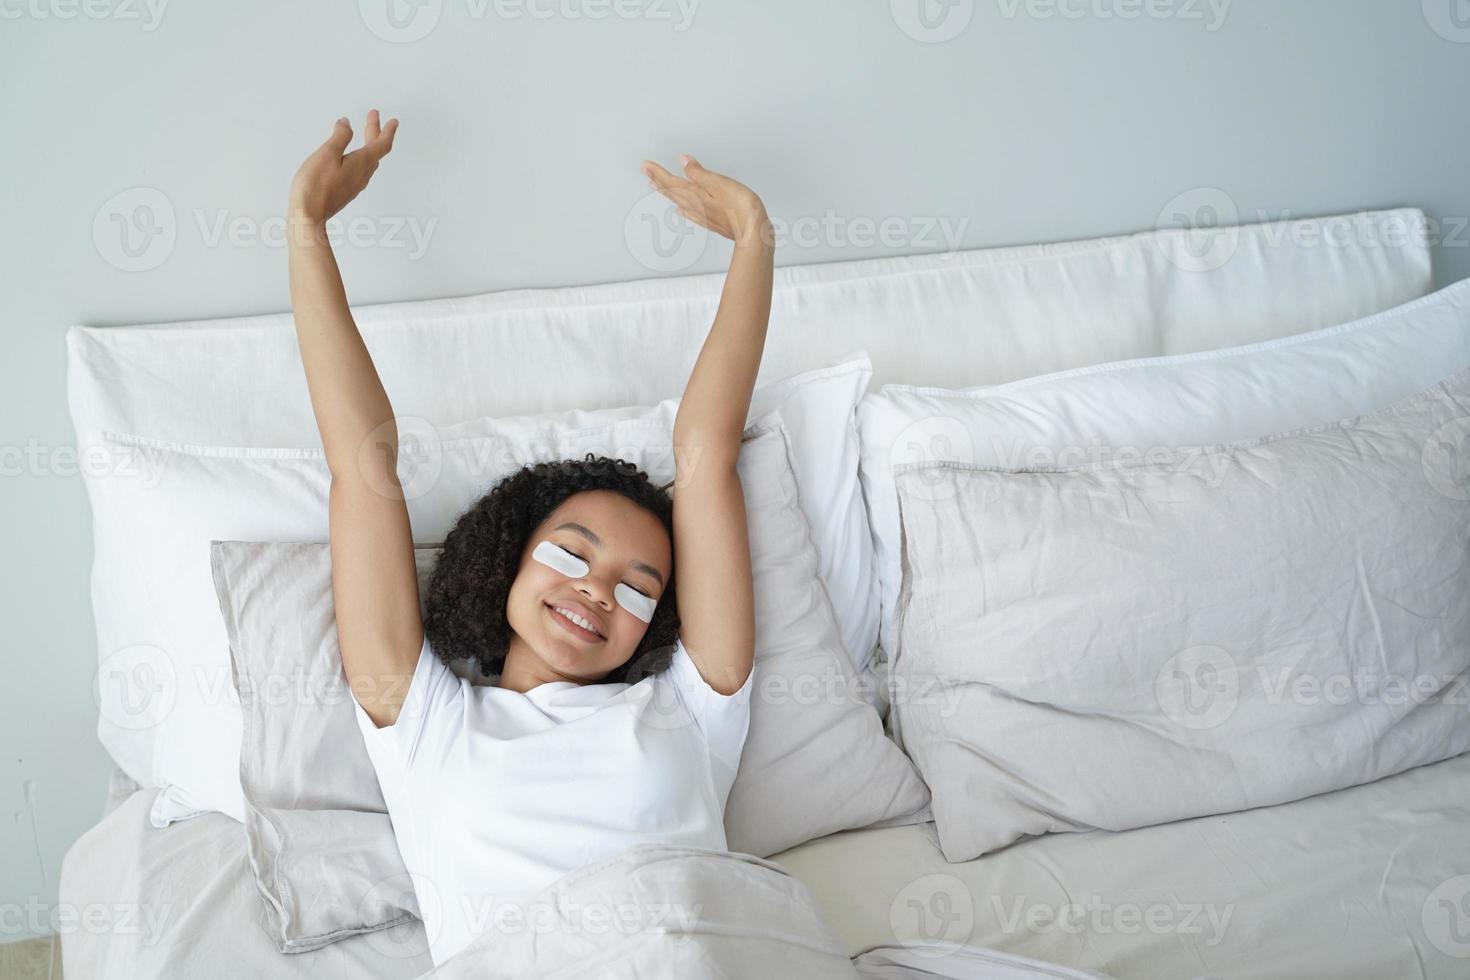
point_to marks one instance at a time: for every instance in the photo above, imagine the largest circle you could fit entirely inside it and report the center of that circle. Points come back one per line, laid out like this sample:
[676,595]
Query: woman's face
[621,542]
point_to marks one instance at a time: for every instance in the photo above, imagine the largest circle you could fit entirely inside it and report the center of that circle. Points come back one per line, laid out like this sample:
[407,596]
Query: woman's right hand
[328,179]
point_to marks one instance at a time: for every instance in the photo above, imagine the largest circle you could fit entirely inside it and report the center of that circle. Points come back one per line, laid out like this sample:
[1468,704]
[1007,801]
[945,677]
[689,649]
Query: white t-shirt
[493,792]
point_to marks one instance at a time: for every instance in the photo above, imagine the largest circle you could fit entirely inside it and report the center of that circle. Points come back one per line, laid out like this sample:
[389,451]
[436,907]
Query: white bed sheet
[1369,882]
[1366,882]
[194,879]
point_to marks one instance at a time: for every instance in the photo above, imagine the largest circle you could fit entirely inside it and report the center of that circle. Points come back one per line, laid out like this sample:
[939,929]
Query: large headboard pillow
[1128,642]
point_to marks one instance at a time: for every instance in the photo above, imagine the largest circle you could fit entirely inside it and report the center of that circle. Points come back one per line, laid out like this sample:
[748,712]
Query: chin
[571,665]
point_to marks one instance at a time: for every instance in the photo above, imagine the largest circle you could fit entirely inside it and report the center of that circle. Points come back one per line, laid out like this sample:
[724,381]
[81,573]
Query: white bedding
[658,910]
[952,320]
[1342,885]
[1367,882]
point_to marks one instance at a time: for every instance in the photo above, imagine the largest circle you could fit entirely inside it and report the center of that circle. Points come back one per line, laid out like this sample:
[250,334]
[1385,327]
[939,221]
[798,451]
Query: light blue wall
[518,154]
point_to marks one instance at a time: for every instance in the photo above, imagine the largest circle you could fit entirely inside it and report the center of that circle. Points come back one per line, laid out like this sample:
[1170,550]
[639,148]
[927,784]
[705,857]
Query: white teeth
[577,619]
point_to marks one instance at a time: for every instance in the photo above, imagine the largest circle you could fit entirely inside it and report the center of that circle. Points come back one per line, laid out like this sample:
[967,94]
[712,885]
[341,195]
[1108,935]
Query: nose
[595,590]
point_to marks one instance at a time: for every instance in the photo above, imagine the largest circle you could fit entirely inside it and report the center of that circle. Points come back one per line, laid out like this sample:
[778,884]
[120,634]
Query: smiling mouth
[571,627]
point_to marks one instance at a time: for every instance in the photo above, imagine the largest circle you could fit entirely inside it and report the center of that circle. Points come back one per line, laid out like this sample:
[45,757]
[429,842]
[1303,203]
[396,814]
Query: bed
[1369,881]
[1347,884]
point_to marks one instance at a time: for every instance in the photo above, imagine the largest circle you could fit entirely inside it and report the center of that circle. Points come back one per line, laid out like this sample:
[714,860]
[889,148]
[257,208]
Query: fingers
[660,178]
[377,138]
[686,197]
[386,139]
[691,203]
[707,182]
[701,176]
[693,169]
[341,136]
[690,199]
[377,141]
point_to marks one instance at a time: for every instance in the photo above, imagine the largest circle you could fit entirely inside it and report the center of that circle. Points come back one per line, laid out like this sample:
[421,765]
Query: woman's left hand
[713,201]
[330,178]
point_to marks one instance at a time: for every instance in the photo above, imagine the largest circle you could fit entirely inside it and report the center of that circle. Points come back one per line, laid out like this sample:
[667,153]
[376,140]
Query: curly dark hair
[464,617]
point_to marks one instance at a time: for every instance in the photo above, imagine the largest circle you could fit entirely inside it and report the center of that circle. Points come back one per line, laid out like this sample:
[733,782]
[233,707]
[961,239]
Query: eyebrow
[587,533]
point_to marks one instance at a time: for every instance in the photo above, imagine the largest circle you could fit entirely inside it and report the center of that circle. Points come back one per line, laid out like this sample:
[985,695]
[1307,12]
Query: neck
[524,670]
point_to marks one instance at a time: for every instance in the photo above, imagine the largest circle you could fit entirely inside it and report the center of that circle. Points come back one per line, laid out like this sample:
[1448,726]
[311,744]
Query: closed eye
[628,584]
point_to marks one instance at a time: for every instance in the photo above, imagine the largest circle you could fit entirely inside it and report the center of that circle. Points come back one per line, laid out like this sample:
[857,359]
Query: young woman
[561,579]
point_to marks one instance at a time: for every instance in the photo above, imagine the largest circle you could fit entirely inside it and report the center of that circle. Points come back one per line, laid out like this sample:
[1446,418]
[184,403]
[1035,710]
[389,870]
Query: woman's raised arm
[712,567]
[374,583]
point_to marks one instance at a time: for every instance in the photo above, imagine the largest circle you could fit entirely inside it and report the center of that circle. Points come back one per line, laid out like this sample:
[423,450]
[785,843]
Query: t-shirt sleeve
[723,719]
[431,703]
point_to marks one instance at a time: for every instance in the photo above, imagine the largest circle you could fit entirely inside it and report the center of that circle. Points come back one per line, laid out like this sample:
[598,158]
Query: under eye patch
[634,601]
[560,559]
[557,557]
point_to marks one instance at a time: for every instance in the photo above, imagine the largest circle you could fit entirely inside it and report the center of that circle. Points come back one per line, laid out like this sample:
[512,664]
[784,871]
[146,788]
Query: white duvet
[656,910]
[1356,884]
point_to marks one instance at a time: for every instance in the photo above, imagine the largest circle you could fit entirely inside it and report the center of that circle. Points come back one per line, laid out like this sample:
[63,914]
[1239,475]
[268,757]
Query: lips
[572,627]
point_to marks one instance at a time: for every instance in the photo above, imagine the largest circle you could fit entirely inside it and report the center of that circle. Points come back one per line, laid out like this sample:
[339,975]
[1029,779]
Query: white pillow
[1135,407]
[1118,644]
[168,712]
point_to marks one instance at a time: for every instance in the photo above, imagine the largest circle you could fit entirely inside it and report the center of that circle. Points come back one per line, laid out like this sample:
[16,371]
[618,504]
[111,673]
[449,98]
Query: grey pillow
[321,845]
[1112,646]
[317,830]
